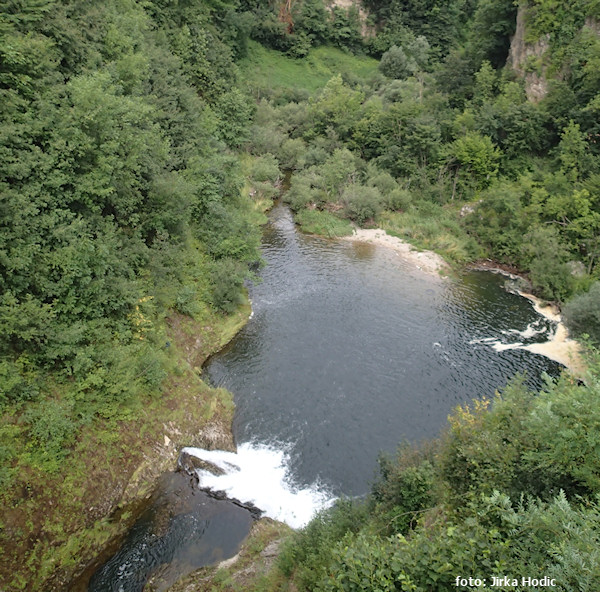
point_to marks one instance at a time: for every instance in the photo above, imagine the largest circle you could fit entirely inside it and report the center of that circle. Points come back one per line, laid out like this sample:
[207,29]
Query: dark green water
[351,350]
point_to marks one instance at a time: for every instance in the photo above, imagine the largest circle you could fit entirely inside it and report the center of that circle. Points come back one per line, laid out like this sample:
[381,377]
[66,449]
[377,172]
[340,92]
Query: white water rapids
[259,474]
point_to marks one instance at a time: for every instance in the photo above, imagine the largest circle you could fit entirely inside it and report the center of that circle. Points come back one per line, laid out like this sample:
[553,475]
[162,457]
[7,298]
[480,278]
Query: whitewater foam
[259,474]
[532,330]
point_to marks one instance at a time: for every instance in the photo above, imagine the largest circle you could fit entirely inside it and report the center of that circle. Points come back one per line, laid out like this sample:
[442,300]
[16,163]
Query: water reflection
[351,350]
[183,529]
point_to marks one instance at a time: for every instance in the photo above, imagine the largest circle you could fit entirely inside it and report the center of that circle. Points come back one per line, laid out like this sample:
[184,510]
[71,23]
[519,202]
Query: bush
[323,223]
[310,550]
[397,200]
[227,279]
[52,430]
[362,203]
[403,491]
[265,168]
[582,313]
[291,154]
[396,64]
[546,256]
[300,194]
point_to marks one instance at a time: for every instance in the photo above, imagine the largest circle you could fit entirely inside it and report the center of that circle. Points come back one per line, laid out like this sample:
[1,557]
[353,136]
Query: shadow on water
[182,530]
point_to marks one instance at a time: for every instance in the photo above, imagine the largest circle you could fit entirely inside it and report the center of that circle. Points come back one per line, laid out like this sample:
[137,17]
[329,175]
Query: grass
[323,223]
[439,232]
[270,72]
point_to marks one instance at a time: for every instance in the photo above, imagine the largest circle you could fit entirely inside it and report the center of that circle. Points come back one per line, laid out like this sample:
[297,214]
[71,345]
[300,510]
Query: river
[351,350]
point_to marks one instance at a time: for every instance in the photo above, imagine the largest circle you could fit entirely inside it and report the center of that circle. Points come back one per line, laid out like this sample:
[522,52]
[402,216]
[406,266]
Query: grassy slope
[53,525]
[268,71]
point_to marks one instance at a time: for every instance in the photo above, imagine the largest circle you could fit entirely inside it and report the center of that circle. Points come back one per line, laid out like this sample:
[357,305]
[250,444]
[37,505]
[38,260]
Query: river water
[351,350]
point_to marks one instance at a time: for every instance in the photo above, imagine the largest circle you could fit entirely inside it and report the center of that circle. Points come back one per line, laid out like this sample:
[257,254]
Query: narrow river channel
[350,351]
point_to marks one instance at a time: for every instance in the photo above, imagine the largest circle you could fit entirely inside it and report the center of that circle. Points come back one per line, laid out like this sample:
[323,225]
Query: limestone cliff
[528,59]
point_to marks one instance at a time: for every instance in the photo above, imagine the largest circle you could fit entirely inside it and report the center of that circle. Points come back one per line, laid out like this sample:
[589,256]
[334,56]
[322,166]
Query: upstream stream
[350,350]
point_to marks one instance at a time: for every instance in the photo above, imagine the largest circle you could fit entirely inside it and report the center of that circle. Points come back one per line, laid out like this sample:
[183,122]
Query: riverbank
[426,261]
[54,525]
[560,347]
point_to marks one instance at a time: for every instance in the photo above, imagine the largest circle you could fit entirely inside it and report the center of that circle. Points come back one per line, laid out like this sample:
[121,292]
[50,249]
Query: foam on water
[533,330]
[259,474]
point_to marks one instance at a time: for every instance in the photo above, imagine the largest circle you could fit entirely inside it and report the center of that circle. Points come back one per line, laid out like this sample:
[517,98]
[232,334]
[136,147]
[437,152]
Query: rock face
[365,30]
[188,464]
[527,59]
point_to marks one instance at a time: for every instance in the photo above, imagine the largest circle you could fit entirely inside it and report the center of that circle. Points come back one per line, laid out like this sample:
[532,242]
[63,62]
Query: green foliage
[362,564]
[478,157]
[396,64]
[269,73]
[313,20]
[572,151]
[345,27]
[401,62]
[337,107]
[113,173]
[500,220]
[546,258]
[493,25]
[52,430]
[582,313]
[362,203]
[234,110]
[310,550]
[439,22]
[323,223]
[403,491]
[429,226]
[227,279]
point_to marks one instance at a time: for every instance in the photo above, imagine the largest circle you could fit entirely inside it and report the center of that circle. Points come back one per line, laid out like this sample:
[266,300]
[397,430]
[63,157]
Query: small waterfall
[259,474]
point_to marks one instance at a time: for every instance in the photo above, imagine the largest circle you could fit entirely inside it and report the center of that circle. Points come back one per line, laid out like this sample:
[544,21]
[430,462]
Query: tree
[337,107]
[401,62]
[582,313]
[475,161]
[572,151]
[546,256]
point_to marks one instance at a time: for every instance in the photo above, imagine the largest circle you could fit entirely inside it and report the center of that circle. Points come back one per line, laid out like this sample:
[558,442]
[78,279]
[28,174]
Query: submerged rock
[190,464]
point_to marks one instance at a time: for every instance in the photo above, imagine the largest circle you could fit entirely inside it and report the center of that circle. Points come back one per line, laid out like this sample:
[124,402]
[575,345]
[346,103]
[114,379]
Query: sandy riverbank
[560,347]
[427,261]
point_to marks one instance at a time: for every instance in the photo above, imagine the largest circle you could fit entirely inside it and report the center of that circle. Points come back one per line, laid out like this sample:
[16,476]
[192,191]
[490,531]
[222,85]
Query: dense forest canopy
[138,151]
[120,195]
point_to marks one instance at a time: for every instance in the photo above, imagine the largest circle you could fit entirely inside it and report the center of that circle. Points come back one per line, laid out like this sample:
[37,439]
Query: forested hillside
[140,144]
[464,142]
[122,212]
